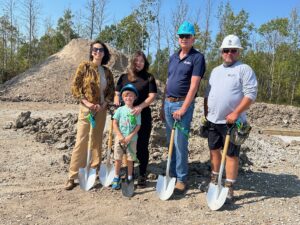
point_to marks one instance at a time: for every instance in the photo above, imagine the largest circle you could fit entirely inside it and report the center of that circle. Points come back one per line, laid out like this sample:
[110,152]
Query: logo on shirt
[187,62]
[231,75]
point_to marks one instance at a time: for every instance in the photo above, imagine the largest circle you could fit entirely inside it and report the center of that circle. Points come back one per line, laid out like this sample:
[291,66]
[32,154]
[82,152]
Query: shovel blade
[86,178]
[165,187]
[106,174]
[127,188]
[216,196]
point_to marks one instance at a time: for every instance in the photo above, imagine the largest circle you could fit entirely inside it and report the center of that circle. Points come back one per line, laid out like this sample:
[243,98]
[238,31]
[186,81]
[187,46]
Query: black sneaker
[142,182]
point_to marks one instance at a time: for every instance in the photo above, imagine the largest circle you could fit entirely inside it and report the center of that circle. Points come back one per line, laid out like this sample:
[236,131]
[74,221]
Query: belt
[174,99]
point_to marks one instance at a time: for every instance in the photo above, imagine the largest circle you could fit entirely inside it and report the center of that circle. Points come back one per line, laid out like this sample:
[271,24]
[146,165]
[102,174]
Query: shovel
[165,185]
[107,171]
[216,195]
[87,175]
[127,186]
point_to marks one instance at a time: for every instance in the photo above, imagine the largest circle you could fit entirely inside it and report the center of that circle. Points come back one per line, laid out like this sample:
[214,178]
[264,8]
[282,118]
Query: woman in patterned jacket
[93,86]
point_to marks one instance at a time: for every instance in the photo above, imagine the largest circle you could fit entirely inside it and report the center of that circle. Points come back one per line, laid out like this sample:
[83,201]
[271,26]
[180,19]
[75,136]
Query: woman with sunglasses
[93,86]
[137,74]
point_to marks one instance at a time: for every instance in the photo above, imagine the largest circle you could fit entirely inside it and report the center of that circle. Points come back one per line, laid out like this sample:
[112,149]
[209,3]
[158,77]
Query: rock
[22,118]
[8,125]
[66,159]
[152,176]
[61,146]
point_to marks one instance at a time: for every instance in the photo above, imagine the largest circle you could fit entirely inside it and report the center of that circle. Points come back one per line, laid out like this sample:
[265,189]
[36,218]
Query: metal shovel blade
[216,196]
[127,188]
[165,187]
[87,178]
[106,174]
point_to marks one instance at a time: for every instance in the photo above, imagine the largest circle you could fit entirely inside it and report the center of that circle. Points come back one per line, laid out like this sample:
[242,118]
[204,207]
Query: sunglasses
[233,51]
[98,49]
[187,36]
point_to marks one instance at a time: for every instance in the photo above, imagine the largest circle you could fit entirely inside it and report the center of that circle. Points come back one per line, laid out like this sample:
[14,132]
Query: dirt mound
[50,81]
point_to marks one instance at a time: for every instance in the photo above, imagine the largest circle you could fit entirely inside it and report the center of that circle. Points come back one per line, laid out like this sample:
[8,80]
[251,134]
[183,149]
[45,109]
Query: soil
[32,177]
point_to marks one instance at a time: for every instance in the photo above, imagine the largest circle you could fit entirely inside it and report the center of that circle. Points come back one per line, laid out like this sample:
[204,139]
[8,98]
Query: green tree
[294,53]
[145,16]
[229,23]
[125,36]
[159,68]
[65,26]
[274,34]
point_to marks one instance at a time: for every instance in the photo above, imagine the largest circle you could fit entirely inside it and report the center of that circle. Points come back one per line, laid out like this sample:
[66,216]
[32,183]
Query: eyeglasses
[98,49]
[226,50]
[187,36]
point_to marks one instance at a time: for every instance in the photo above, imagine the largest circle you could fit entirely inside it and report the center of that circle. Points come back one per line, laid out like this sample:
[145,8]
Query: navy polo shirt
[180,72]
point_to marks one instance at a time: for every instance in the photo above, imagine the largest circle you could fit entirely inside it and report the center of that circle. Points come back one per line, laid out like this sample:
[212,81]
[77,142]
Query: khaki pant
[118,151]
[79,154]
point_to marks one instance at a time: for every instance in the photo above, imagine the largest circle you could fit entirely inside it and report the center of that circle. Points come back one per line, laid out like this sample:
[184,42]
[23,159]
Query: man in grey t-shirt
[231,90]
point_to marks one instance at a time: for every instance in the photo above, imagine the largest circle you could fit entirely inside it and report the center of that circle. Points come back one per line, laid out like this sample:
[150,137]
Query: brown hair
[126,92]
[106,56]
[131,67]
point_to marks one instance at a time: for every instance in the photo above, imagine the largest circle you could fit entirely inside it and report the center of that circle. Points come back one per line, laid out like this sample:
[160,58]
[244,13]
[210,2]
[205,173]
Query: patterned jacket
[86,83]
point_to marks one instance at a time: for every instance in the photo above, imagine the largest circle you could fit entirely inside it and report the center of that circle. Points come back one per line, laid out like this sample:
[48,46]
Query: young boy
[126,126]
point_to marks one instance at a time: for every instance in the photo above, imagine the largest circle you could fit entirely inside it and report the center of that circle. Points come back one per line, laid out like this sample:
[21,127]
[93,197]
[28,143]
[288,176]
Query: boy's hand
[127,139]
[121,138]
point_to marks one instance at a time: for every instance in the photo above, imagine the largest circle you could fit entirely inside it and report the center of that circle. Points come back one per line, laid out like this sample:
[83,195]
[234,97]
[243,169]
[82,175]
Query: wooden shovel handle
[225,149]
[170,151]
[171,143]
[110,135]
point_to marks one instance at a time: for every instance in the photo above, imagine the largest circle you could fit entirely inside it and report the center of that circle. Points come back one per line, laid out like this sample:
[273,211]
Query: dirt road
[32,177]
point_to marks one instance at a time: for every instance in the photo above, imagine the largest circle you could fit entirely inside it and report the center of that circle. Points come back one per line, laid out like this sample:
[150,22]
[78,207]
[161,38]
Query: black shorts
[216,139]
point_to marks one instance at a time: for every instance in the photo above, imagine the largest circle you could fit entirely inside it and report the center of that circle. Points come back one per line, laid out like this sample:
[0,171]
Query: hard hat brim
[222,47]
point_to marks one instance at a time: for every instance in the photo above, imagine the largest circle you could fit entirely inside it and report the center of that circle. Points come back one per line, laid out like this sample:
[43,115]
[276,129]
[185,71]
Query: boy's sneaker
[230,196]
[116,183]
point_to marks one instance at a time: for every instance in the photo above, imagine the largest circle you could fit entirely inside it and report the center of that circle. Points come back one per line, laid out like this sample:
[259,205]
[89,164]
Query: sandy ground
[32,176]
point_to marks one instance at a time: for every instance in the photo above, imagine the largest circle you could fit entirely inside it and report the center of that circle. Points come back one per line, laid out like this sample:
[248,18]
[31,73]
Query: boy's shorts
[118,151]
[216,139]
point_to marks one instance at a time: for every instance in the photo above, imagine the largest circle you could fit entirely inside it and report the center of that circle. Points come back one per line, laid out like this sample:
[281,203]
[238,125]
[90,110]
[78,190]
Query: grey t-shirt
[226,88]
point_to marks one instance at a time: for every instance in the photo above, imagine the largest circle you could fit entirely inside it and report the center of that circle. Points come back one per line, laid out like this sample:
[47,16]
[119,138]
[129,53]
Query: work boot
[229,198]
[180,188]
[214,178]
[70,184]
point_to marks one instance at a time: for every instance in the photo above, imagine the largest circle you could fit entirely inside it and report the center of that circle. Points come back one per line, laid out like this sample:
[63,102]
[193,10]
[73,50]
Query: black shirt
[144,83]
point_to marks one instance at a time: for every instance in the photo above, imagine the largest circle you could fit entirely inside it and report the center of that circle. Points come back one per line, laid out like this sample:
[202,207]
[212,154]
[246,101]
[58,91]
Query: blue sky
[260,11]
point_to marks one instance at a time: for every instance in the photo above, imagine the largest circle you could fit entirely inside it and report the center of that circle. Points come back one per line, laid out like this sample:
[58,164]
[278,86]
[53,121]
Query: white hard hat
[231,41]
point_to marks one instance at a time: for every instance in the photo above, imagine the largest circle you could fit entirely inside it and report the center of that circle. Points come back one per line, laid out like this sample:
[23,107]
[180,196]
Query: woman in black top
[145,84]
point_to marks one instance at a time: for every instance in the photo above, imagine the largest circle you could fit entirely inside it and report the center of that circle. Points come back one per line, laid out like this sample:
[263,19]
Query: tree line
[271,49]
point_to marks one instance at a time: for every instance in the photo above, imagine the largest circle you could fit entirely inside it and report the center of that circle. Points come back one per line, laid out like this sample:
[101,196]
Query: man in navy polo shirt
[186,68]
